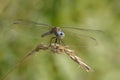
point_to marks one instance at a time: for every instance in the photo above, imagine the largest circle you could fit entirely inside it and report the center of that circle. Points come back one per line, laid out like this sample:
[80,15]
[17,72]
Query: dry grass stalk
[55,48]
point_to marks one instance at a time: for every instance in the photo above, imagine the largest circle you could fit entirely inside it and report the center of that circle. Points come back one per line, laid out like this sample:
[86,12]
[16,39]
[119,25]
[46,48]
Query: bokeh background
[18,40]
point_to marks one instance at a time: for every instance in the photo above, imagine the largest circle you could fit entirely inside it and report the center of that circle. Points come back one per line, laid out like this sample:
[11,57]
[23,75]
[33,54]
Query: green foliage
[17,40]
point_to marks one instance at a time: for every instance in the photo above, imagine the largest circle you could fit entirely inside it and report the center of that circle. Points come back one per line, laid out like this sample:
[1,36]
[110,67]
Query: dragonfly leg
[59,41]
[56,41]
[52,39]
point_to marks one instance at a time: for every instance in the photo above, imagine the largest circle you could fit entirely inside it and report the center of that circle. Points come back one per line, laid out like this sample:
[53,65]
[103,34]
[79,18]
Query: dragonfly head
[60,34]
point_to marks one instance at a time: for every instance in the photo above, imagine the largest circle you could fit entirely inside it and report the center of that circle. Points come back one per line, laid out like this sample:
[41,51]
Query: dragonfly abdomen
[46,33]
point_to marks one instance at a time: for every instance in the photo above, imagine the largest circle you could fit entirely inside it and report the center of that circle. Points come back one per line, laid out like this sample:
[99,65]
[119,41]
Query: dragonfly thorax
[57,31]
[59,34]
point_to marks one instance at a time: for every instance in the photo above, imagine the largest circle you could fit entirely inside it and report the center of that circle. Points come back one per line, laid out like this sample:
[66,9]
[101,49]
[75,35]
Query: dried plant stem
[23,59]
[55,48]
[70,53]
[79,61]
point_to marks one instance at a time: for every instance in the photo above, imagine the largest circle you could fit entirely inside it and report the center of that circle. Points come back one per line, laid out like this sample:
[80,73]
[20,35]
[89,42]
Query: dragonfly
[58,32]
[57,39]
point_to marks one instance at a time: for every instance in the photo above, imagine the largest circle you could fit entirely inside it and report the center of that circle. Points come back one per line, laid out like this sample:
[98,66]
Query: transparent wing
[81,37]
[30,29]
[29,22]
[83,29]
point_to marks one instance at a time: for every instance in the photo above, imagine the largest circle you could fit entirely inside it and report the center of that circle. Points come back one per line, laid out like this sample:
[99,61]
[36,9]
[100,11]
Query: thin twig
[39,47]
[55,48]
[70,53]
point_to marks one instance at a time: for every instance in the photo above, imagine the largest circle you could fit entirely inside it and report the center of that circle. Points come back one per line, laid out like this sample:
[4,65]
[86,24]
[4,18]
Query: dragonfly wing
[83,29]
[80,38]
[30,28]
[29,22]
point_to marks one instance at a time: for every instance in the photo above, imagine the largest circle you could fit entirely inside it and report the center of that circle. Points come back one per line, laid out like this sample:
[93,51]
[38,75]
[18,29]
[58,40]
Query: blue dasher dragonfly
[58,32]
[57,39]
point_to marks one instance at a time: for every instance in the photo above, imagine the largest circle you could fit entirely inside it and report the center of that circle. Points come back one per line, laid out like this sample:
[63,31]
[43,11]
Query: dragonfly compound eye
[60,34]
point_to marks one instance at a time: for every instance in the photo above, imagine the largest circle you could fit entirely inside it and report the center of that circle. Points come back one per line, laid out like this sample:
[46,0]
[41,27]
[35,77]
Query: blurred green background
[17,40]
